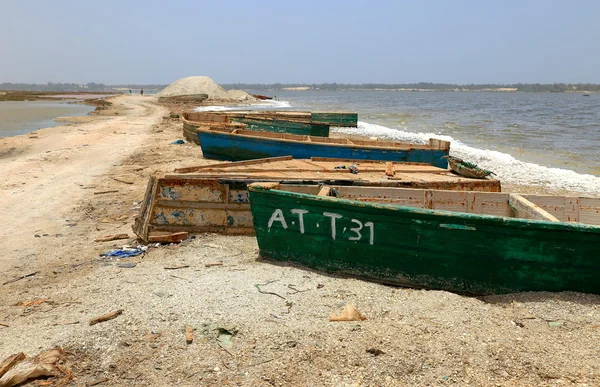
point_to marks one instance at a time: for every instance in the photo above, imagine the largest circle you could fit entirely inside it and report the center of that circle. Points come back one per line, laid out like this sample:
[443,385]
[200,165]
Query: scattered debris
[167,237]
[109,238]
[3,324]
[105,192]
[375,351]
[106,317]
[67,323]
[122,181]
[554,323]
[290,286]
[18,369]
[211,264]
[176,267]
[257,286]
[189,334]
[353,169]
[99,381]
[350,313]
[10,362]
[320,286]
[32,303]
[177,142]
[21,277]
[224,337]
[125,252]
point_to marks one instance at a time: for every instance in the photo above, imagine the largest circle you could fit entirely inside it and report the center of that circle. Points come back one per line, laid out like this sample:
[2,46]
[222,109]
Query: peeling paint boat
[465,242]
[238,144]
[214,197]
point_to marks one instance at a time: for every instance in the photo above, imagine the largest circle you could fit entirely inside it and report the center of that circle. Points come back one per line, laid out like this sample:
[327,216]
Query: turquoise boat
[237,145]
[465,242]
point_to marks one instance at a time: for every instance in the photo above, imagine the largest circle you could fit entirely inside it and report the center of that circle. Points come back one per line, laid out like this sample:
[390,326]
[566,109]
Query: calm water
[24,117]
[545,139]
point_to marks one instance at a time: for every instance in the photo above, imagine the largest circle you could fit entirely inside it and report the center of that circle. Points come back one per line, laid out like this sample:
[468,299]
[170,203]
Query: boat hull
[463,253]
[226,146]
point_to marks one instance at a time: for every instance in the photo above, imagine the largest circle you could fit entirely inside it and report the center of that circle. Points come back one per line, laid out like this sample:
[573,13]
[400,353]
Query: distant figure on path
[129,91]
[142,92]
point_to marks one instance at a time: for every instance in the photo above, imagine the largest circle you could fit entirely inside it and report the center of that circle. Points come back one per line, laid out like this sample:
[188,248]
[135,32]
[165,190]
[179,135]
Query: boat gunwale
[230,132]
[506,221]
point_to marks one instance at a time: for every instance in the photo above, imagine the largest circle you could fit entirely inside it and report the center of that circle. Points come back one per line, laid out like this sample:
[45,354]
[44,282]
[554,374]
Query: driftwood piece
[167,237]
[109,238]
[43,364]
[21,277]
[189,334]
[106,317]
[350,313]
[10,362]
[211,264]
[4,324]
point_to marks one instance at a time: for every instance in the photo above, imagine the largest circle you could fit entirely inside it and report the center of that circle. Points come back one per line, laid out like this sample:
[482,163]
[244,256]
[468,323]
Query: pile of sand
[202,85]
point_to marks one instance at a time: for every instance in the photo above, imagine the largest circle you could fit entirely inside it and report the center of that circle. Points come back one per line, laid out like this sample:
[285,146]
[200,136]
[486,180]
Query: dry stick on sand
[122,181]
[105,192]
[4,324]
[106,317]
[20,278]
[257,286]
[109,238]
[176,267]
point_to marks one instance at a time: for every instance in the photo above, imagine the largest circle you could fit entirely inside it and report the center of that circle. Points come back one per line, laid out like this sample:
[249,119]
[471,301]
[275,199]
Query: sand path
[48,174]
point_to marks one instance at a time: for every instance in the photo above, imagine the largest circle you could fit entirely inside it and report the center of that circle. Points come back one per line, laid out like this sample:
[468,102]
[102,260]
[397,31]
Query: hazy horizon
[149,42]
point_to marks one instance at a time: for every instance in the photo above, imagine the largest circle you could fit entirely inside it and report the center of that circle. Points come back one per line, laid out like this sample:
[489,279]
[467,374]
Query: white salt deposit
[196,85]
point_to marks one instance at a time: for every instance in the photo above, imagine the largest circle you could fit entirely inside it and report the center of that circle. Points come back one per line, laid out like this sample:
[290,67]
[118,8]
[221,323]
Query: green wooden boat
[465,242]
[284,126]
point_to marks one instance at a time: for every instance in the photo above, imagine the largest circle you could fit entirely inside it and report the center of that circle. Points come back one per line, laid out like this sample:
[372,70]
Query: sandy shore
[256,323]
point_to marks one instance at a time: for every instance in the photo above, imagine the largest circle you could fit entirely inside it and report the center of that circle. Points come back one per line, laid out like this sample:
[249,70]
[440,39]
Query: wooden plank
[324,191]
[389,168]
[232,164]
[525,209]
[334,159]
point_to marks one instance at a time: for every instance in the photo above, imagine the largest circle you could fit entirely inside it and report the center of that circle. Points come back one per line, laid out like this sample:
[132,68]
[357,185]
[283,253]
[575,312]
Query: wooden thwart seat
[523,208]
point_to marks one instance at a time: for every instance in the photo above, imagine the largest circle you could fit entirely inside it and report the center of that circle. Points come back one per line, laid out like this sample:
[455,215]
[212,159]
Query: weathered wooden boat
[347,119]
[467,169]
[214,197]
[253,122]
[465,242]
[284,126]
[190,128]
[238,144]
[261,97]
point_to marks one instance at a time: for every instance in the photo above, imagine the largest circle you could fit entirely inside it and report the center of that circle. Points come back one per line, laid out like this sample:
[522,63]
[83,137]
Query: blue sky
[485,41]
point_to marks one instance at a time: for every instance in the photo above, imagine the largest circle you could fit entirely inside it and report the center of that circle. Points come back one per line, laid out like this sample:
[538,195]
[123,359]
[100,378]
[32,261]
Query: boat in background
[238,144]
[465,242]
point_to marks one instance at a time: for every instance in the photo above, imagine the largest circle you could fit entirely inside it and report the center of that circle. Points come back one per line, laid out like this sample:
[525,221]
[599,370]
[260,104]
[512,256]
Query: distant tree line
[90,86]
[429,86]
[527,87]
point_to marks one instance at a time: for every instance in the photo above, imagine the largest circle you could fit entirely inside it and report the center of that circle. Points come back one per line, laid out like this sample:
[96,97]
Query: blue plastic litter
[178,142]
[123,253]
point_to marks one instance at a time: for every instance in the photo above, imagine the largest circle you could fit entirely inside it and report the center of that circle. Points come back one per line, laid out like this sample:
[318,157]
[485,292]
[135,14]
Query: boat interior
[535,207]
[433,143]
